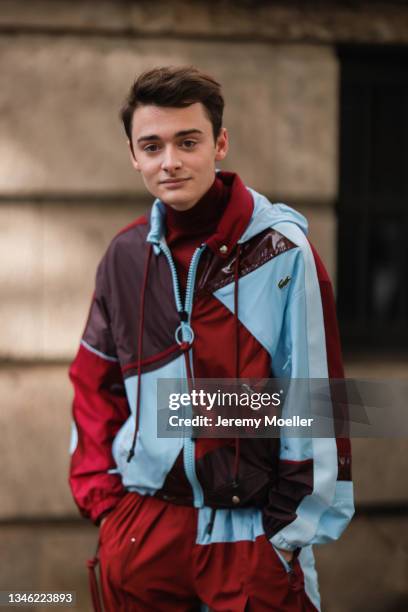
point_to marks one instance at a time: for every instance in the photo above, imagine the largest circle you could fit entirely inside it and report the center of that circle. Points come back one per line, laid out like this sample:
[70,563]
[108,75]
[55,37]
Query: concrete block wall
[67,186]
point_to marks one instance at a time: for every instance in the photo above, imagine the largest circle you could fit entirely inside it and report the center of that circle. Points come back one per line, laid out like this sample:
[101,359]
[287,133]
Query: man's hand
[286,554]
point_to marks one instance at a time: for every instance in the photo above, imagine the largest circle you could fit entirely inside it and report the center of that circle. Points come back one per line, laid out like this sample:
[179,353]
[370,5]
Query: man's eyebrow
[188,132]
[177,135]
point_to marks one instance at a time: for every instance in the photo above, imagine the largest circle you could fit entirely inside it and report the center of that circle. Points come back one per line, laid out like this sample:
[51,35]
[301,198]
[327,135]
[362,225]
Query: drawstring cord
[140,351]
[237,371]
[184,345]
[93,581]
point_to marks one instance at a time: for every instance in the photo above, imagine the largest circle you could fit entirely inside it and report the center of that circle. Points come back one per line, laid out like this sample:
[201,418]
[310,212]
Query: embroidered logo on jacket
[284,281]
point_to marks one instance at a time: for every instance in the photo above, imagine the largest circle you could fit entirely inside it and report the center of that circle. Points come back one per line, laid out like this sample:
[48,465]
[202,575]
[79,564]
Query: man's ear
[221,145]
[133,159]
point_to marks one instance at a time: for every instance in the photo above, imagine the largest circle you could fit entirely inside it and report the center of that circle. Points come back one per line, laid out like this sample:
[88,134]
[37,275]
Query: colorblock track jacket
[297,491]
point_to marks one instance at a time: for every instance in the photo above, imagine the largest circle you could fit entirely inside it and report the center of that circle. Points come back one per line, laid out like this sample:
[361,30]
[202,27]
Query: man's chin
[178,205]
[176,201]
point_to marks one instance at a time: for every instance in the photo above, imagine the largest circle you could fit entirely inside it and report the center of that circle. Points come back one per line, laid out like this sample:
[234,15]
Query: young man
[216,282]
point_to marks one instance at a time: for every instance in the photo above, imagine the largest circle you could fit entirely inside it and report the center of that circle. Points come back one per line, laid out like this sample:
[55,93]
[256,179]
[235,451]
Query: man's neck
[200,219]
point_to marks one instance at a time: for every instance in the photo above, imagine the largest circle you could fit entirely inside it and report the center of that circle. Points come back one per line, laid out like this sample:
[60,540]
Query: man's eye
[151,148]
[189,144]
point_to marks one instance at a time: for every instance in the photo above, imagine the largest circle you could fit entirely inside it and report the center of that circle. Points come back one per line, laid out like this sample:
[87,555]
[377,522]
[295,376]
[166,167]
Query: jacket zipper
[187,335]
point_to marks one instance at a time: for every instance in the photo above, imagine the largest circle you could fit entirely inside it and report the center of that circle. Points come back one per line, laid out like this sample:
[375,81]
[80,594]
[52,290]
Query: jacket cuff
[279,542]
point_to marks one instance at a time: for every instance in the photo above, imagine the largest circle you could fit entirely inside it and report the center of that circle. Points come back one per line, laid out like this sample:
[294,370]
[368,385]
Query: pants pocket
[287,567]
[112,515]
[271,583]
[117,540]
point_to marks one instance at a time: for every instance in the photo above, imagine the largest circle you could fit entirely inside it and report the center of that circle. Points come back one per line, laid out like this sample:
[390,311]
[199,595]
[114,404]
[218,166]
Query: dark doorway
[373,198]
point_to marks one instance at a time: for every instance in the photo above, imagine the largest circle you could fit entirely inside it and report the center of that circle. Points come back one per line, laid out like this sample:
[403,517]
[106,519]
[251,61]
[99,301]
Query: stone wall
[316,21]
[67,186]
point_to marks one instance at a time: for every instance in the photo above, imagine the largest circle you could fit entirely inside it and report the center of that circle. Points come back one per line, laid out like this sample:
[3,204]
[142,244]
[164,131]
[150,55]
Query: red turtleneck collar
[201,220]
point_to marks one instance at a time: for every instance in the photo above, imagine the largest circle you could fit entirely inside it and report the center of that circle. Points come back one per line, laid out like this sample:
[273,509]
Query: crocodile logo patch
[284,281]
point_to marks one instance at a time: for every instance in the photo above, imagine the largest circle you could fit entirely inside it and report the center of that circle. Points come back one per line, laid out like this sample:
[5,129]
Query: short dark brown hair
[176,86]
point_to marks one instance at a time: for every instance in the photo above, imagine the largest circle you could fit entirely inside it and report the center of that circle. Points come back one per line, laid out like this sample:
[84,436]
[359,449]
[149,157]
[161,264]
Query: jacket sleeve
[312,502]
[99,409]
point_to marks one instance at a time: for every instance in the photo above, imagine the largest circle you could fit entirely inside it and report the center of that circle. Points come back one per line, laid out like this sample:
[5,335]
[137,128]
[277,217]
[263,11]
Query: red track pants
[150,562]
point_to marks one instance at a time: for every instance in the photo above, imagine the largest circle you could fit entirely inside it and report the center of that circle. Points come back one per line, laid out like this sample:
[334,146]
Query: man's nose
[171,160]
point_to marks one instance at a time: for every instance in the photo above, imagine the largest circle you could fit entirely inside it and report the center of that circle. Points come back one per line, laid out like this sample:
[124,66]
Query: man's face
[175,152]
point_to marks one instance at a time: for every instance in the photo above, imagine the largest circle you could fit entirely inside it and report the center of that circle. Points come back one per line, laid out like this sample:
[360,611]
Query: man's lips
[174,181]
